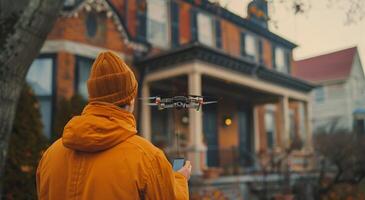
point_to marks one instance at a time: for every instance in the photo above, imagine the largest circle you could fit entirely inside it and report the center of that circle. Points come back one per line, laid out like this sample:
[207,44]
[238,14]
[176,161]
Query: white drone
[179,102]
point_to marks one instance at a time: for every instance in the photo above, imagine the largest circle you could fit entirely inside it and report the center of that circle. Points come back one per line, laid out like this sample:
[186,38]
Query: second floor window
[281,60]
[40,78]
[205,29]
[251,46]
[157,23]
[83,67]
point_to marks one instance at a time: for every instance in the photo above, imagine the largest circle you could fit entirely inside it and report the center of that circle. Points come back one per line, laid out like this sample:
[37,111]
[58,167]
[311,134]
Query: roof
[242,22]
[213,9]
[197,51]
[332,66]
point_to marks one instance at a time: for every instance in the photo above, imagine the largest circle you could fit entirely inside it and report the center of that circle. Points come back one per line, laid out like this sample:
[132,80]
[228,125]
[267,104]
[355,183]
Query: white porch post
[146,113]
[285,138]
[256,128]
[196,146]
[308,122]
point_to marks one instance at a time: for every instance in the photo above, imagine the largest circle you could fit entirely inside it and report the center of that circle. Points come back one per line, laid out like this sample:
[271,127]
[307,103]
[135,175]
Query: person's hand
[186,170]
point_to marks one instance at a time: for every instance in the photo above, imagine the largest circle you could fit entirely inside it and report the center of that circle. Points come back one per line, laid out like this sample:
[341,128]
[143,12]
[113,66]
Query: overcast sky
[321,29]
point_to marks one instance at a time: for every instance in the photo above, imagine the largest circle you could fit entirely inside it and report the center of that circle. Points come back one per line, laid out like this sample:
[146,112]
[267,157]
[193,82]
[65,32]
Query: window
[91,24]
[251,46]
[40,78]
[69,3]
[270,128]
[205,29]
[319,95]
[336,91]
[360,126]
[292,125]
[83,67]
[157,22]
[281,60]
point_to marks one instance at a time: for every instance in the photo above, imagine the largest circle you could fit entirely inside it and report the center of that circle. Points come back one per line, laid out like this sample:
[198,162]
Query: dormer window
[205,29]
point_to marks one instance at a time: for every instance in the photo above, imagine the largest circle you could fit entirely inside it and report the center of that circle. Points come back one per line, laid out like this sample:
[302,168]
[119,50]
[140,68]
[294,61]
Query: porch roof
[197,51]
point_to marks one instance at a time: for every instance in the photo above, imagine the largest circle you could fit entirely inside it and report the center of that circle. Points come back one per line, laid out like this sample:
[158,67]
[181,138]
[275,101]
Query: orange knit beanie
[111,80]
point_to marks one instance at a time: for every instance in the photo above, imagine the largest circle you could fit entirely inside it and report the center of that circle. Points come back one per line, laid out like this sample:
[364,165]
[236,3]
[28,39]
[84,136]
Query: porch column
[256,128]
[196,147]
[285,130]
[308,123]
[146,113]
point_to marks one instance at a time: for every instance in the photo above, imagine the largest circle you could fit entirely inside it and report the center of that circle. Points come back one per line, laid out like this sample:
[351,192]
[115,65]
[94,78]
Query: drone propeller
[209,102]
[148,98]
[151,104]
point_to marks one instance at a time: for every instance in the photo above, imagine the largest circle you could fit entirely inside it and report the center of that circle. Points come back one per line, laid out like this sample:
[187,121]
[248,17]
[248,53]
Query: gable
[108,9]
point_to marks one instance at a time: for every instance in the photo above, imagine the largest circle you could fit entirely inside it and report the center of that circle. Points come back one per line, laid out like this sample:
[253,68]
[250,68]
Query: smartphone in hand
[178,163]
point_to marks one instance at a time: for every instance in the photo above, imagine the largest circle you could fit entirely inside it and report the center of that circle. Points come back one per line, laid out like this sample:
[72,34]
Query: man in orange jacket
[99,156]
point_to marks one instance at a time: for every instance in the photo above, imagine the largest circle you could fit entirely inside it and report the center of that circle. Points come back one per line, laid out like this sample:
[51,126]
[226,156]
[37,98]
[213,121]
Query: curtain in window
[83,72]
[157,22]
[205,30]
[280,60]
[270,128]
[251,46]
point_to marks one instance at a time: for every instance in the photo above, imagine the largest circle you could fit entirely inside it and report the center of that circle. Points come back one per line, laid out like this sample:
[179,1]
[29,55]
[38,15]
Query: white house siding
[341,98]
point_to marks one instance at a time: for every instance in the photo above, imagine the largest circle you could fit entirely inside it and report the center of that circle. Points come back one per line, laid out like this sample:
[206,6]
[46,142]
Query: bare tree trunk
[24,25]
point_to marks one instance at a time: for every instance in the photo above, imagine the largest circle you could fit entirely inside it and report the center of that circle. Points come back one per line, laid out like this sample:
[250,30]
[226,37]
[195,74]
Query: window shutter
[243,44]
[142,19]
[193,25]
[287,61]
[260,49]
[218,34]
[273,56]
[174,13]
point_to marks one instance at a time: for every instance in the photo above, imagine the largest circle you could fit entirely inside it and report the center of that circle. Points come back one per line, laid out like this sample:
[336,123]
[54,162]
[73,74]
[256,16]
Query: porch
[229,135]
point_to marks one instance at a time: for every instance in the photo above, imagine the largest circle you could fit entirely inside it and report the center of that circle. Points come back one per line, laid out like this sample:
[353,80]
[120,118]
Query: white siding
[341,99]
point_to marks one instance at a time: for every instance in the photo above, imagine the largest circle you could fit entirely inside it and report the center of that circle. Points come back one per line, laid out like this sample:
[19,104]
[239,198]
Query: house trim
[77,48]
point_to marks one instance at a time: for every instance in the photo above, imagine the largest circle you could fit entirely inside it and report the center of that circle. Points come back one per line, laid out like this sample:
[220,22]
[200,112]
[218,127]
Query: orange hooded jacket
[100,157]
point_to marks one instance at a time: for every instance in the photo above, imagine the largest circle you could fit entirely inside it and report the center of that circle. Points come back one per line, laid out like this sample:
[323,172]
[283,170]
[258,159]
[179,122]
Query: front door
[245,142]
[211,135]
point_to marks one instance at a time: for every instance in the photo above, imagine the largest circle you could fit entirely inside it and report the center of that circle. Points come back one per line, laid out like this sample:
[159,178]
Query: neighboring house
[180,47]
[339,99]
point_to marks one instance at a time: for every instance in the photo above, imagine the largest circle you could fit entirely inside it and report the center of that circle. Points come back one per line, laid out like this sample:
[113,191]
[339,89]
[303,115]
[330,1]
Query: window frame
[286,66]
[53,96]
[168,26]
[256,41]
[323,94]
[271,110]
[77,72]
[213,33]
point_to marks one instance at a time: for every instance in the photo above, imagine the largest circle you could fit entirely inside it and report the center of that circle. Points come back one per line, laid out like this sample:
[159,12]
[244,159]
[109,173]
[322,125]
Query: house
[186,47]
[339,99]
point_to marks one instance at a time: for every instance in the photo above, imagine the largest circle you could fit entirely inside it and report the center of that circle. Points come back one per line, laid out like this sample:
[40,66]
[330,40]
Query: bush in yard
[27,143]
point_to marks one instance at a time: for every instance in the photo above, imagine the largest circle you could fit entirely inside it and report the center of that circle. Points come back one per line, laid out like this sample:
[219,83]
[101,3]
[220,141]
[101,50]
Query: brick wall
[184,25]
[228,136]
[65,75]
[74,29]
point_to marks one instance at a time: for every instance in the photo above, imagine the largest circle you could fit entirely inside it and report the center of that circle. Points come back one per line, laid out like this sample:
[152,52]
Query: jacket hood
[100,126]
